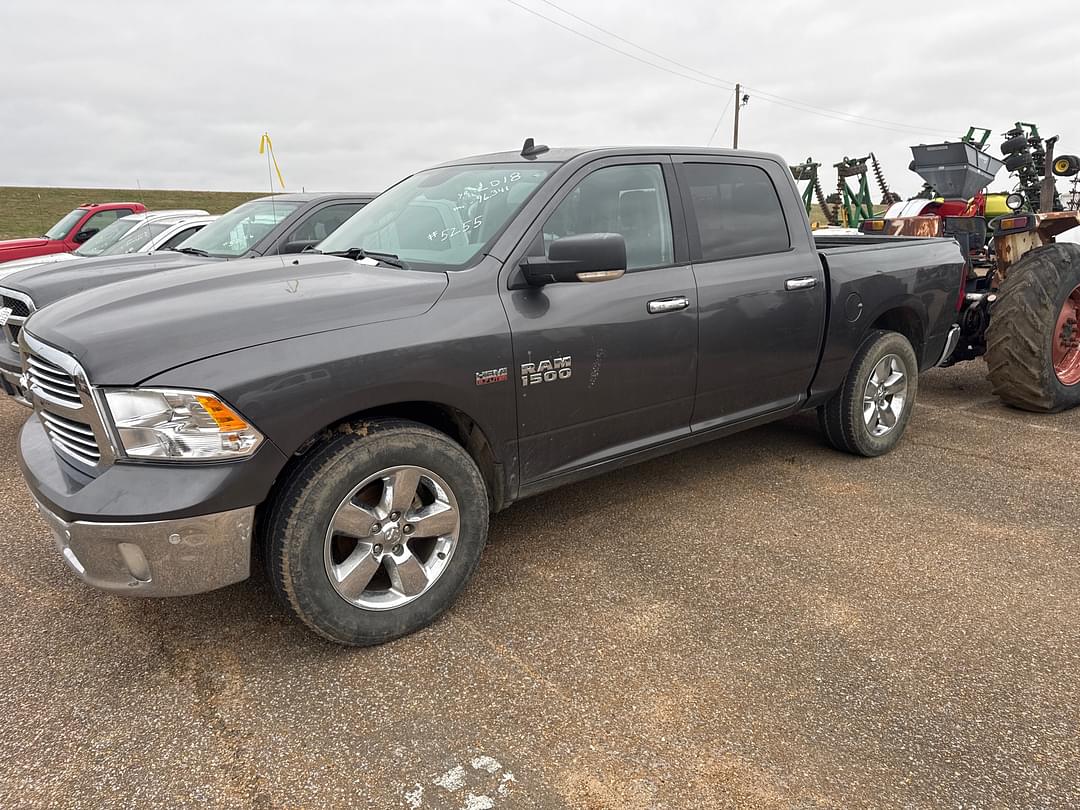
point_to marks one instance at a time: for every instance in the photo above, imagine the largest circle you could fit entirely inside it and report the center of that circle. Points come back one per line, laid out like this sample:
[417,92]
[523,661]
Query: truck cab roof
[165,215]
[135,205]
[567,154]
[318,196]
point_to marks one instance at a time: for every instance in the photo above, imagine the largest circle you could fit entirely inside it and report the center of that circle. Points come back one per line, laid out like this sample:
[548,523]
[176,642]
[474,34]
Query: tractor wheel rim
[1066,340]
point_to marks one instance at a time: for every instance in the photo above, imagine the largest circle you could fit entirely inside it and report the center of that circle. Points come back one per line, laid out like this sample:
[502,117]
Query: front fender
[293,389]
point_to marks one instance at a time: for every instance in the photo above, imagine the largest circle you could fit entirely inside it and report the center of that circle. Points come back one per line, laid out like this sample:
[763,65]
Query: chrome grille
[72,438]
[67,406]
[51,382]
[21,308]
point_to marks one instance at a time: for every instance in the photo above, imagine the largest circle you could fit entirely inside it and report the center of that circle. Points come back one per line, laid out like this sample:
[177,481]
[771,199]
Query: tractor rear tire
[1014,145]
[1023,335]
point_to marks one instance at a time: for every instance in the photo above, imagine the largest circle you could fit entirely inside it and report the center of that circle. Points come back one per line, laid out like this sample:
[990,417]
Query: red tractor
[1021,301]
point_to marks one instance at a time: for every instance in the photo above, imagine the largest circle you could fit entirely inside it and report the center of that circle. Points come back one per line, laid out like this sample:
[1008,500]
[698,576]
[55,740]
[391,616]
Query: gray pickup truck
[484,331]
[268,226]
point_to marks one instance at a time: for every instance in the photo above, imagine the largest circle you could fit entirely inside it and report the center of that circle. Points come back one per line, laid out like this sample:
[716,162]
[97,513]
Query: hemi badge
[492,375]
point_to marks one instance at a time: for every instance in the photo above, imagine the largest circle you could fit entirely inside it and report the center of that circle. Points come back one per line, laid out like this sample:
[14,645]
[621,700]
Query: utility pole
[735,139]
[740,102]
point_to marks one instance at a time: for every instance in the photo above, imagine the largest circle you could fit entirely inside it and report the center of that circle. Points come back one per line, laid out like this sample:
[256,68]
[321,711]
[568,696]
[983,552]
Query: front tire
[868,415]
[376,531]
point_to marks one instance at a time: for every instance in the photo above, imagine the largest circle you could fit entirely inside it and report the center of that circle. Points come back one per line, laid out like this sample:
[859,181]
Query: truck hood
[127,332]
[8,268]
[21,244]
[48,283]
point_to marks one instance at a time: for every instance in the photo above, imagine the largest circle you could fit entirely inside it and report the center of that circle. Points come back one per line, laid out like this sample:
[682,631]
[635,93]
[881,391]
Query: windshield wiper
[360,253]
[191,251]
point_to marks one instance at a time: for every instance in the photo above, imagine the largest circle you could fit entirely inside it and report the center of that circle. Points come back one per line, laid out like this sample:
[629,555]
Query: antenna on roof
[530,150]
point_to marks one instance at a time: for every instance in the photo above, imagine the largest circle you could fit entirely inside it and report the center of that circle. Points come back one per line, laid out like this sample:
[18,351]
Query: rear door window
[180,237]
[103,218]
[323,222]
[736,209]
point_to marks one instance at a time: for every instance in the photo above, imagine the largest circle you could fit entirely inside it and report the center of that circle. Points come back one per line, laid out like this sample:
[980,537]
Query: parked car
[484,331]
[73,229]
[135,233]
[282,224]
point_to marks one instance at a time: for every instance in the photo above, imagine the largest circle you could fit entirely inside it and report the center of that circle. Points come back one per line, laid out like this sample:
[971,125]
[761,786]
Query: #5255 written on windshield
[470,197]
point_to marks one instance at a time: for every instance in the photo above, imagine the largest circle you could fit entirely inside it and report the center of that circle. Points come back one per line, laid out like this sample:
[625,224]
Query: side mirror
[584,257]
[84,235]
[299,246]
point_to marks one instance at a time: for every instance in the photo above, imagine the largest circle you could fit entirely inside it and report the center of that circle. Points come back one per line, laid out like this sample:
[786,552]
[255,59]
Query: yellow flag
[266,145]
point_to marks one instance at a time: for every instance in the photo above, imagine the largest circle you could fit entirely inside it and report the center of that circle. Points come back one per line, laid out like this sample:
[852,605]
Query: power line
[716,81]
[612,34]
[610,47]
[718,123]
[772,97]
[775,99]
[800,107]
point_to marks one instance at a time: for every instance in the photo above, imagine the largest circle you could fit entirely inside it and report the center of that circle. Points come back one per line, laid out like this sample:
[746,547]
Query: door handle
[801,283]
[668,304]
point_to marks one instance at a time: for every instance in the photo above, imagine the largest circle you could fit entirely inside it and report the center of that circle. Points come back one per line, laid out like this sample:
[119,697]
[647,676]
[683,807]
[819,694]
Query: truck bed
[860,242]
[870,275]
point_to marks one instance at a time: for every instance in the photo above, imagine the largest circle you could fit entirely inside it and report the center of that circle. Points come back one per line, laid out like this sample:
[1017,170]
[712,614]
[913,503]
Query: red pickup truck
[74,228]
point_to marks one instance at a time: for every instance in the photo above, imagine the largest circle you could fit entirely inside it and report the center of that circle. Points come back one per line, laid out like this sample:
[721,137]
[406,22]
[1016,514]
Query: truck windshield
[441,217]
[136,239]
[100,242]
[238,231]
[66,223]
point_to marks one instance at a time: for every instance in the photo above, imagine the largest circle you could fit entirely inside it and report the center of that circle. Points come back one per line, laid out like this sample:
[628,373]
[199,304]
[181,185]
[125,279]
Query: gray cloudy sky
[357,94]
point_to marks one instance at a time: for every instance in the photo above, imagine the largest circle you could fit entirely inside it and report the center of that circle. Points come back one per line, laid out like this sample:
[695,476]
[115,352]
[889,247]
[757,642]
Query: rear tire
[348,544]
[870,412]
[1020,341]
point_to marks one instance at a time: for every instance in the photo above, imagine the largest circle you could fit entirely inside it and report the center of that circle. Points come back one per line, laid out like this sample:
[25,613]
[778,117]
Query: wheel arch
[907,319]
[447,419]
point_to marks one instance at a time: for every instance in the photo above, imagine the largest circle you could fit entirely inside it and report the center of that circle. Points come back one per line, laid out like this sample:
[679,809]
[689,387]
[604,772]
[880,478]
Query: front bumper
[149,529]
[161,558]
[10,378]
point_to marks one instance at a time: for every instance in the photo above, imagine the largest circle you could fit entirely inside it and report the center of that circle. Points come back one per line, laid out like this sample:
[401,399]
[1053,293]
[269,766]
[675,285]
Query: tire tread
[282,520]
[841,417]
[1018,344]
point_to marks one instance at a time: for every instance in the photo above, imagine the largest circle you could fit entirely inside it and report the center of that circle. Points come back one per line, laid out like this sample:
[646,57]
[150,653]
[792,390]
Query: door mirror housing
[84,235]
[299,246]
[584,257]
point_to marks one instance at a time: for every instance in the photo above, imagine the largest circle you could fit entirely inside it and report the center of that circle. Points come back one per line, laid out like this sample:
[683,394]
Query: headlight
[1014,202]
[179,425]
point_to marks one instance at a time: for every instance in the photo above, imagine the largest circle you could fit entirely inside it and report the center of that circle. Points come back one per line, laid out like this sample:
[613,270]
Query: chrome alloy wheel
[391,538]
[885,395]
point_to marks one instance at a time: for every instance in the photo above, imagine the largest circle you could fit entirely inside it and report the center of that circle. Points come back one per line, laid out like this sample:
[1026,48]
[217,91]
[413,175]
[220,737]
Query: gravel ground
[758,622]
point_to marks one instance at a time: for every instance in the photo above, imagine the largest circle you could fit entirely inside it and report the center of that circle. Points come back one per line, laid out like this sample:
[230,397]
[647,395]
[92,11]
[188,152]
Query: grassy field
[26,211]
